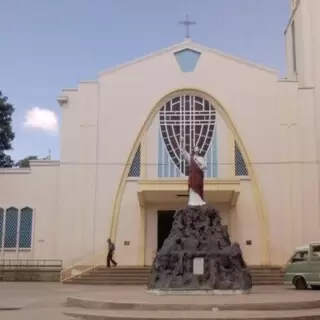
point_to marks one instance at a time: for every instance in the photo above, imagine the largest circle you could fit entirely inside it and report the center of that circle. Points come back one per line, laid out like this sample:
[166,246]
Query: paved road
[45,301]
[37,300]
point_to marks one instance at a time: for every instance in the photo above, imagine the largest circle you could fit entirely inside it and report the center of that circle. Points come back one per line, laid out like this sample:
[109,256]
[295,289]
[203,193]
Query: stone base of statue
[198,255]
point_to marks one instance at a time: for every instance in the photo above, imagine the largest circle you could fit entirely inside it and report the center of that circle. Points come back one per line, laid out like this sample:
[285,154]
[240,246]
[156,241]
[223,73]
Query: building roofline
[292,16]
[44,163]
[188,44]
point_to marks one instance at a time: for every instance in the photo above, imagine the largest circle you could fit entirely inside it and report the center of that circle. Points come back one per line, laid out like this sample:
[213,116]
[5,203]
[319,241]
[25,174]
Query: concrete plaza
[35,301]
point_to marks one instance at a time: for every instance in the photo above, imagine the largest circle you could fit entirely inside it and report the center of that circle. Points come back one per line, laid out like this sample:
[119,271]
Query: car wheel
[300,283]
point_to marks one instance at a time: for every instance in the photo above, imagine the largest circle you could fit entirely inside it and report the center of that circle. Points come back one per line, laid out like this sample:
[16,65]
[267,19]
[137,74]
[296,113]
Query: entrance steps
[261,275]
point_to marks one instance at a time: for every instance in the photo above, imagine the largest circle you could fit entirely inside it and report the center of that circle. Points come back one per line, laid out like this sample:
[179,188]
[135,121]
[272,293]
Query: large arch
[263,219]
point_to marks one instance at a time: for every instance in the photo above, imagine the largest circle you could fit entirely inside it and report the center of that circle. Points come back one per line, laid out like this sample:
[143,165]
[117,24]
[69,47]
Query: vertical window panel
[25,232]
[11,228]
[136,164]
[1,225]
[240,165]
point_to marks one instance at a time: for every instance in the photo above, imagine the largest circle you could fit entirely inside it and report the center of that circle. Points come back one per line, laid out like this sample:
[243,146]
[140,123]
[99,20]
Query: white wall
[305,137]
[248,93]
[129,227]
[36,188]
[277,121]
[102,120]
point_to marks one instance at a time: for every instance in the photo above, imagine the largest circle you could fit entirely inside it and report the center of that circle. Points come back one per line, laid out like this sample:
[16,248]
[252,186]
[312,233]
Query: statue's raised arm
[185,153]
[197,166]
[200,161]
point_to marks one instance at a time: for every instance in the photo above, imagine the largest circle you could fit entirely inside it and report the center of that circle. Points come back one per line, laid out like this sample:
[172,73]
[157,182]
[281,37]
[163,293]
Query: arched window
[25,230]
[240,165]
[16,228]
[188,118]
[136,164]
[11,228]
[1,225]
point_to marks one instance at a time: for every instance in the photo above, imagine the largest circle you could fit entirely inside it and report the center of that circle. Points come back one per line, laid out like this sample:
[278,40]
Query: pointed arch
[264,228]
[25,229]
[11,228]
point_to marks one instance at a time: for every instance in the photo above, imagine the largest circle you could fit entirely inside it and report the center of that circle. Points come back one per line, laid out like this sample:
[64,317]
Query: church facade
[121,174]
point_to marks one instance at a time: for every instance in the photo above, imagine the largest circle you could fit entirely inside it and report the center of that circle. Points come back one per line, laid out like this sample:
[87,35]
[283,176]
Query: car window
[299,256]
[315,252]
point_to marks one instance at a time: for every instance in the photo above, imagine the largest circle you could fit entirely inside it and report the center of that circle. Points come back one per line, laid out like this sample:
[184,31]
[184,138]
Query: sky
[49,45]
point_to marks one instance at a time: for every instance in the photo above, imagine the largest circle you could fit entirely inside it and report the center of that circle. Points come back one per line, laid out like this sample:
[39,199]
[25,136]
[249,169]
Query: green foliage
[6,133]
[25,163]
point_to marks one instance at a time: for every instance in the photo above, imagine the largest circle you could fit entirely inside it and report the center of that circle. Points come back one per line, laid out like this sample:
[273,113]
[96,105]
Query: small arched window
[25,230]
[136,164]
[11,228]
[16,228]
[240,165]
[1,225]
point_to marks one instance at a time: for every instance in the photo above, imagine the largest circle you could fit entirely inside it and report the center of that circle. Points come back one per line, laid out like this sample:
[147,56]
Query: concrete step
[105,282]
[114,272]
[120,268]
[266,273]
[190,315]
[143,283]
[127,278]
[123,274]
[107,275]
[139,276]
[119,273]
[115,275]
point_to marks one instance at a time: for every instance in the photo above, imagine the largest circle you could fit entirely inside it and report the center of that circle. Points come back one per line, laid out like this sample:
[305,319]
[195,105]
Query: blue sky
[48,45]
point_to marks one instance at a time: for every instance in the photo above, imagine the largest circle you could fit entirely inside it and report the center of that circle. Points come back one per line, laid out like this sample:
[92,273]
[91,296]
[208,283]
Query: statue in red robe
[197,166]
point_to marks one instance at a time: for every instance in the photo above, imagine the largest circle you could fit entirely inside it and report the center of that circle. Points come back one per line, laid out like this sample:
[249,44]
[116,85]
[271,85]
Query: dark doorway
[165,219]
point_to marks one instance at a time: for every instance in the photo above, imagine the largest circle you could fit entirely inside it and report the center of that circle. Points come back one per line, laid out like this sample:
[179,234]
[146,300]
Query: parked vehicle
[303,268]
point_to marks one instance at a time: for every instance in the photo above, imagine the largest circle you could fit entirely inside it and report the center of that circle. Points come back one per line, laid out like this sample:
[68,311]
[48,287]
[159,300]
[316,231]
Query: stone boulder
[197,232]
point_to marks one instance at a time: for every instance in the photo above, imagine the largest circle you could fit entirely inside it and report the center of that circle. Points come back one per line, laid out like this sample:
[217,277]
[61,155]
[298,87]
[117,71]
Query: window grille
[1,225]
[136,164]
[187,118]
[16,228]
[11,228]
[240,165]
[25,231]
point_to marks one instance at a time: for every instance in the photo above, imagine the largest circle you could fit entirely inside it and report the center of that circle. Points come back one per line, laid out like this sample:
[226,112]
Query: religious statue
[197,166]
[197,233]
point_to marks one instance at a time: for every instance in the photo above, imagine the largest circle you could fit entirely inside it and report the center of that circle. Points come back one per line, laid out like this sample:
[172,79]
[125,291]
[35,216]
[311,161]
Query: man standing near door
[111,250]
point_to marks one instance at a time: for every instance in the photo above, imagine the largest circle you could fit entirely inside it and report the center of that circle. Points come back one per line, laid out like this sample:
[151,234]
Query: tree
[6,133]
[25,163]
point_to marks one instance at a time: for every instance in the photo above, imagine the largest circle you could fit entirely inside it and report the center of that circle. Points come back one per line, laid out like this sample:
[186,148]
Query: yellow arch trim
[263,219]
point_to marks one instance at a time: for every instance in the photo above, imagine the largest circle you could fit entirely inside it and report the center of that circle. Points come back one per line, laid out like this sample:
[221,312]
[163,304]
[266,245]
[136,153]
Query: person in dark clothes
[111,249]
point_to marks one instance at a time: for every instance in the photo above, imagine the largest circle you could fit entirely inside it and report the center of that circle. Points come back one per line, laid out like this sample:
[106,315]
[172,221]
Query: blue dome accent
[187,59]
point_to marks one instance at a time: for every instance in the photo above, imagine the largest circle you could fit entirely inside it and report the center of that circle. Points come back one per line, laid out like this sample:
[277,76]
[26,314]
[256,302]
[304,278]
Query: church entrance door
[165,219]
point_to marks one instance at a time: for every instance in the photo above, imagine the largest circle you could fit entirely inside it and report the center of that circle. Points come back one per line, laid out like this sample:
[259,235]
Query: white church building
[120,174]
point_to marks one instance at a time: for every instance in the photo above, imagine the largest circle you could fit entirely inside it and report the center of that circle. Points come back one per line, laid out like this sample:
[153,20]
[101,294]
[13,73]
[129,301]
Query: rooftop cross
[187,23]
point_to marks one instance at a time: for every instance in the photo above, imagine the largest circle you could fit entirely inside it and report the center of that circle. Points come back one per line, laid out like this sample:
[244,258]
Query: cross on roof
[187,23]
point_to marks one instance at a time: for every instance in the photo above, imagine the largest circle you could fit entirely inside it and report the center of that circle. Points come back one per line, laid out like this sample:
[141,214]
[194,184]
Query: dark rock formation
[198,232]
